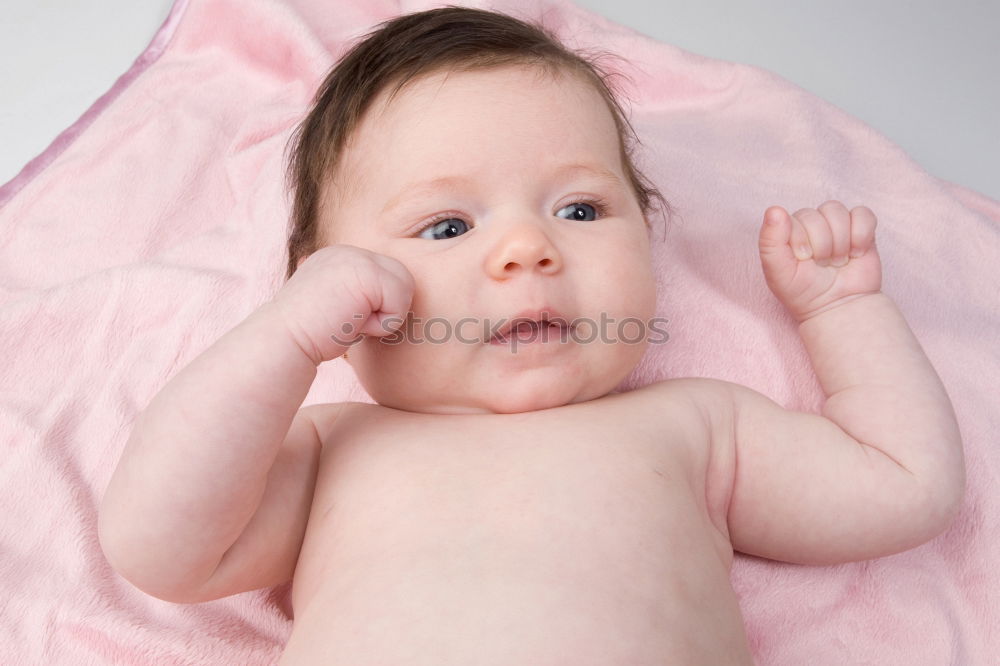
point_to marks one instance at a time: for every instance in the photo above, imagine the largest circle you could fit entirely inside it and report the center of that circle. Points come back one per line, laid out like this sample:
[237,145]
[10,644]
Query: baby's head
[496,165]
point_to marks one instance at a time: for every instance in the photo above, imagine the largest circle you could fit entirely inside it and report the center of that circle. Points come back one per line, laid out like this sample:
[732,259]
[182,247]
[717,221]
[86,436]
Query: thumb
[380,324]
[776,255]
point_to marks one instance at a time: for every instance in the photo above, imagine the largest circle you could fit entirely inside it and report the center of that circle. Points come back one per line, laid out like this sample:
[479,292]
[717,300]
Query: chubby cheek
[430,293]
[443,295]
[402,376]
[416,350]
[623,281]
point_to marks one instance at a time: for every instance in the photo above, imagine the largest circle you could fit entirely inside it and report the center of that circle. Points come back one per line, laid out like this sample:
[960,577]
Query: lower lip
[524,335]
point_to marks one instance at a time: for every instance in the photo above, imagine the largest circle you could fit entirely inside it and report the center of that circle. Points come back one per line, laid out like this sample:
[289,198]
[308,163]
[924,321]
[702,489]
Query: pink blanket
[156,223]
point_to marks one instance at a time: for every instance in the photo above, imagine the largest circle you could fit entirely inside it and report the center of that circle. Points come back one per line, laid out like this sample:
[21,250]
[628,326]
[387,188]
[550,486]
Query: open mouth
[526,331]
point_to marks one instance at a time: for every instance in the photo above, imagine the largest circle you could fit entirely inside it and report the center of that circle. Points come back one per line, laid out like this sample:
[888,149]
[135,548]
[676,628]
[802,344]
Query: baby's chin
[497,389]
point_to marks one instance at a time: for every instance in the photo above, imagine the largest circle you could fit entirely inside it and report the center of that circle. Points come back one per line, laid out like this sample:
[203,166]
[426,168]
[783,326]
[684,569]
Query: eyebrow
[453,182]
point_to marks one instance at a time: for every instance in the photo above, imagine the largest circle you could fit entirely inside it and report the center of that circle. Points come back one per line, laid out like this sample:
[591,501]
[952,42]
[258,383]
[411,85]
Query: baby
[469,222]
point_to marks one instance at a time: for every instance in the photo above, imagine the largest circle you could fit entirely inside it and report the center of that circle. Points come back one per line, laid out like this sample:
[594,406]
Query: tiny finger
[839,220]
[818,231]
[863,223]
[800,240]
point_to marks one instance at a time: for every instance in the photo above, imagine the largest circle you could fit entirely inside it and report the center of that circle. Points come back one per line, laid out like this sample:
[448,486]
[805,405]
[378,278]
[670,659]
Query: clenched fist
[819,258]
[341,292]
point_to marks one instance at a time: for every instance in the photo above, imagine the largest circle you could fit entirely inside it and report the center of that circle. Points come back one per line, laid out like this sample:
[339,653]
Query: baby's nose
[523,248]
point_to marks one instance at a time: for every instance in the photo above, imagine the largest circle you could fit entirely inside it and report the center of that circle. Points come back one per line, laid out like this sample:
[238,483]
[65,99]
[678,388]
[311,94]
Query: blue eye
[443,227]
[585,211]
[448,228]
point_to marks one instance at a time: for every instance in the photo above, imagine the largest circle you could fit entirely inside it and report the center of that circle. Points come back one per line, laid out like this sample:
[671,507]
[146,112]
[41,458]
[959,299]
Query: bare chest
[563,530]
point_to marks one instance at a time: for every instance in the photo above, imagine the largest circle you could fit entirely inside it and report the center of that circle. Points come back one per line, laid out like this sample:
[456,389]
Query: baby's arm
[221,446]
[882,470]
[195,466]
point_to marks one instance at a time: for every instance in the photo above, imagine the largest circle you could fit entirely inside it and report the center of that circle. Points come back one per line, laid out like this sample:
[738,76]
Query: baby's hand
[818,259]
[340,292]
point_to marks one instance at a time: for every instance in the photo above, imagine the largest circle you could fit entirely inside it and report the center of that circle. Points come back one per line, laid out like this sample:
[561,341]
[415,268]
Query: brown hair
[456,38]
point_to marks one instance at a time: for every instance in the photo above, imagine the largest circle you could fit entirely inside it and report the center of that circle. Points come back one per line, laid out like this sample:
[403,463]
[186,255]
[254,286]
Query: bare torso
[585,534]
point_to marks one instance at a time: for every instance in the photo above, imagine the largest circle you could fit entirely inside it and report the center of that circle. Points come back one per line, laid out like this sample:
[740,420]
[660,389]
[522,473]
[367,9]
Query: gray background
[937,59]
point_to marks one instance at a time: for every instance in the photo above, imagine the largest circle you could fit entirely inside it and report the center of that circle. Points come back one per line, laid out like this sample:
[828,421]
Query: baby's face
[483,185]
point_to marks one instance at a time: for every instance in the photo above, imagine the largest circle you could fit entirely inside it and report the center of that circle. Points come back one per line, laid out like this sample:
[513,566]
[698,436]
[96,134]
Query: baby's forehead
[410,116]
[433,123]
[405,98]
[519,75]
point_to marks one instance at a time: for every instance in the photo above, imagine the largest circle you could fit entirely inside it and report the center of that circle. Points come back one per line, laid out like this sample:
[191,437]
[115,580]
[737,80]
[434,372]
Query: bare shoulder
[704,409]
[266,552]
[324,416]
[706,391]
[708,401]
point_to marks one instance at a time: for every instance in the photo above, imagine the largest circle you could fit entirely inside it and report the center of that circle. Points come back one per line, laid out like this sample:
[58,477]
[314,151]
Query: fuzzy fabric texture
[157,222]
